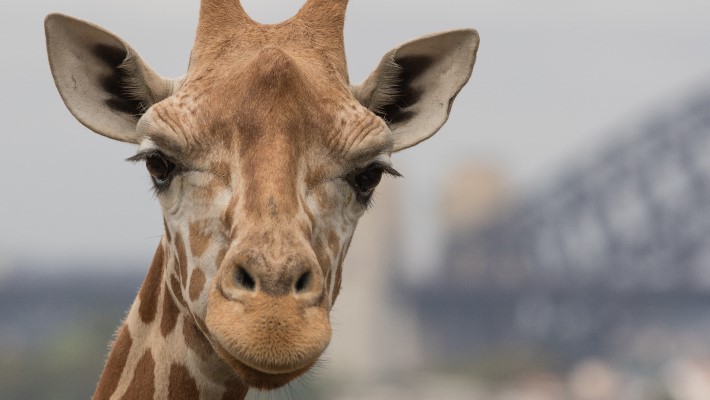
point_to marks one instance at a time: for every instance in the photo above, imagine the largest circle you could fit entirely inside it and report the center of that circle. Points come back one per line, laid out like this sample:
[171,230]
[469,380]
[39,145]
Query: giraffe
[263,157]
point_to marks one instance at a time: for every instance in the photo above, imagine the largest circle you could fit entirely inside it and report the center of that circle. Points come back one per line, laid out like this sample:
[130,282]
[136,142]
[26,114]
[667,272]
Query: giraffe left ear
[414,86]
[102,80]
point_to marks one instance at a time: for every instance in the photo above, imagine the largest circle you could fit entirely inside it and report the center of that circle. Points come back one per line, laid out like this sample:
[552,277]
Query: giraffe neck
[160,352]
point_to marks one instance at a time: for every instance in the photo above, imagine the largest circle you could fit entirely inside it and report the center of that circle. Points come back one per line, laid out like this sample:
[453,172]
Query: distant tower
[373,335]
[473,195]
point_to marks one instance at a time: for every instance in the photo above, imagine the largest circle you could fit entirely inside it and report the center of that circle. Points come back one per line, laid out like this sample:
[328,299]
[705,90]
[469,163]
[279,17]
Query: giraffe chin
[255,378]
[268,341]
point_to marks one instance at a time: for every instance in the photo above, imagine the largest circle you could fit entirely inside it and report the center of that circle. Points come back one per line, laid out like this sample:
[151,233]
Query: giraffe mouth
[268,341]
[261,378]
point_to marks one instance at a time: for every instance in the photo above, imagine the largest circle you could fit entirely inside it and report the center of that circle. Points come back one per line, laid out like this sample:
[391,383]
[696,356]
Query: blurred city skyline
[551,77]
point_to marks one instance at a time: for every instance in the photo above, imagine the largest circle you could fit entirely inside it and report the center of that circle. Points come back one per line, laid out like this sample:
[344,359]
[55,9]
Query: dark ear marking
[118,82]
[102,80]
[405,93]
[414,85]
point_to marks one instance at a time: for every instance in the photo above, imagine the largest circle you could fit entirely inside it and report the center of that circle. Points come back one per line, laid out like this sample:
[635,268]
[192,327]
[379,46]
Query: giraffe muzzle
[270,320]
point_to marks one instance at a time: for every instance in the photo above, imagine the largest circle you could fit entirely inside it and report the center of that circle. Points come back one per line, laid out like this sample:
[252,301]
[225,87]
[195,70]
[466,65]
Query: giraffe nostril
[303,283]
[244,280]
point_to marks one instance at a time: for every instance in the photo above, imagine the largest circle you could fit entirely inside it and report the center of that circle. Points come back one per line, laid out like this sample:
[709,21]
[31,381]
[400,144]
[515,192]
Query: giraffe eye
[365,181]
[159,168]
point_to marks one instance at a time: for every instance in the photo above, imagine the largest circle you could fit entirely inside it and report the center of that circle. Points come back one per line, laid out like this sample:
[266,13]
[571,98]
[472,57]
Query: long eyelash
[143,155]
[389,170]
[386,169]
[146,154]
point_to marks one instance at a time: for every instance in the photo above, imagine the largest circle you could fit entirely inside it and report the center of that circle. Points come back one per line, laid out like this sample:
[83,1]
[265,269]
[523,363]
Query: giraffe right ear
[415,84]
[101,79]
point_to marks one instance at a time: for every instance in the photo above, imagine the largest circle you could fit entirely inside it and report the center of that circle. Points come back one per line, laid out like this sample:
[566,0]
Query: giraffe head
[263,158]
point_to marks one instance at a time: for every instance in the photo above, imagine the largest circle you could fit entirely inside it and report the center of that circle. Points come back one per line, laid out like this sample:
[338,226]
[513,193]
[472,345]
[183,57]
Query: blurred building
[372,333]
[473,196]
[55,325]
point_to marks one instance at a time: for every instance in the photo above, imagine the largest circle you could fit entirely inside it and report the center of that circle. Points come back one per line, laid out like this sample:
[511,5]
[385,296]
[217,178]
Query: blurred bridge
[618,243]
[635,216]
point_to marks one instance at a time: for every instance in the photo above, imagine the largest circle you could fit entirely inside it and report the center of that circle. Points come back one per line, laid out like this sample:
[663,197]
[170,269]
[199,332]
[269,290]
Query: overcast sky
[552,78]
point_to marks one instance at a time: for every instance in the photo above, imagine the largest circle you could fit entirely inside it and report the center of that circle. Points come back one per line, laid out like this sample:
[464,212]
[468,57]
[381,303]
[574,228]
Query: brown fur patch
[114,365]
[182,258]
[150,290]
[196,340]
[143,383]
[182,385]
[177,290]
[198,240]
[235,390]
[197,283]
[221,170]
[170,314]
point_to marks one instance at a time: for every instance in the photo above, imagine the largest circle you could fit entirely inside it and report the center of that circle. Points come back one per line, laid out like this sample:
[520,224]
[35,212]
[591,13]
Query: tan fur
[182,258]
